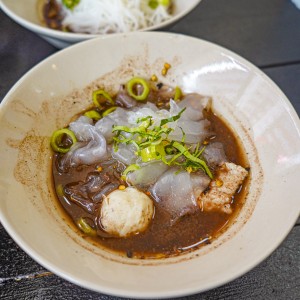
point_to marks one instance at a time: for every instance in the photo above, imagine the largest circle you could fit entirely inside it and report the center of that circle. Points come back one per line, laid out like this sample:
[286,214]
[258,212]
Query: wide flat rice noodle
[147,174]
[194,131]
[174,193]
[124,99]
[125,154]
[90,148]
[105,125]
[200,182]
[214,154]
[194,104]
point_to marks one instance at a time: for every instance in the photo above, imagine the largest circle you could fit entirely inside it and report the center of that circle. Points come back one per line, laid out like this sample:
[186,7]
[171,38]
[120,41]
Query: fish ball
[126,212]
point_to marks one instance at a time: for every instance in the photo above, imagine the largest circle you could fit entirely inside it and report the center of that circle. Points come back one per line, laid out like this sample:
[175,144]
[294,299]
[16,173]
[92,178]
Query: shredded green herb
[153,143]
[171,119]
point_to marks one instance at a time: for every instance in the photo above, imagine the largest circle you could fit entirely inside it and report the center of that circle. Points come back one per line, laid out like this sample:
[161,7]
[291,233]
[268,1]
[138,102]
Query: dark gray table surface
[267,33]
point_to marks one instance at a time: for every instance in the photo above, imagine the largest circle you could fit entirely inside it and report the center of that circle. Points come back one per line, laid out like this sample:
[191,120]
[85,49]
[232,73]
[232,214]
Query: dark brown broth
[160,239]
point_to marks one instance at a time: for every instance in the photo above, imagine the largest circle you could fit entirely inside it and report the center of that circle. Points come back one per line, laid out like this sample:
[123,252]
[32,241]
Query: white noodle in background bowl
[26,14]
[55,90]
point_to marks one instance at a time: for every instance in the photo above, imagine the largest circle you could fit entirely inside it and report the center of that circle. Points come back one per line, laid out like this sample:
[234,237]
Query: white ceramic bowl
[47,97]
[25,13]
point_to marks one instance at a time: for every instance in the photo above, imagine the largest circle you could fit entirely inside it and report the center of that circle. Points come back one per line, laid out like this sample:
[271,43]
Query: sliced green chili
[59,190]
[70,4]
[100,97]
[132,83]
[85,227]
[154,3]
[178,93]
[57,138]
[109,110]
[93,114]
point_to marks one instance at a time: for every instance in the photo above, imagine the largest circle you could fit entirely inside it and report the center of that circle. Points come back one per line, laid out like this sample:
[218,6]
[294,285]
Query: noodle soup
[104,16]
[150,172]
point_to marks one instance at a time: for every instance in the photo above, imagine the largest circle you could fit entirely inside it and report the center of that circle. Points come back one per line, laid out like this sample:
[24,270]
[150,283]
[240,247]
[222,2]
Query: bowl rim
[71,36]
[125,292]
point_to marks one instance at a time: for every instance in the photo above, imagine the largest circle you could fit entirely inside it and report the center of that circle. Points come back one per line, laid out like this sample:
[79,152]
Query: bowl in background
[59,87]
[25,13]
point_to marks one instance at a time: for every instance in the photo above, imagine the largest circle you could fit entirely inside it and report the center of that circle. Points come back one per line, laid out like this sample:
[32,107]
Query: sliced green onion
[170,150]
[130,88]
[145,122]
[85,227]
[149,153]
[93,114]
[178,93]
[70,4]
[152,152]
[100,97]
[109,110]
[57,138]
[140,129]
